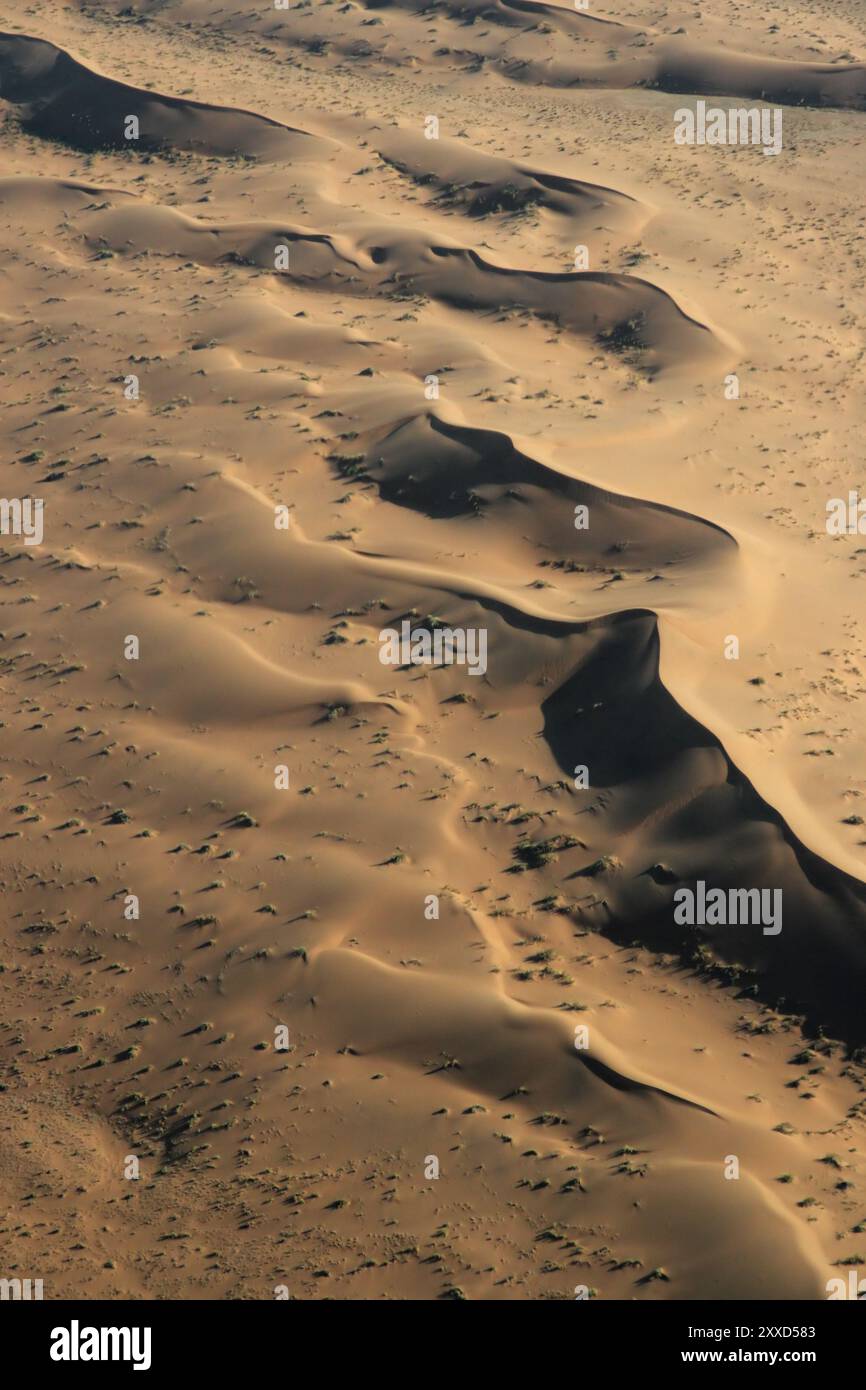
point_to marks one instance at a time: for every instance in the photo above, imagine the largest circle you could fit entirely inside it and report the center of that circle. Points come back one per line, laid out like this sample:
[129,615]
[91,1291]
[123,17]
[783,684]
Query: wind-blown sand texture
[432,391]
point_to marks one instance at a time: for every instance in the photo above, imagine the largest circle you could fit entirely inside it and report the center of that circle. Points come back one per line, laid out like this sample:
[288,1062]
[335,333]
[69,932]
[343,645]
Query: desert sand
[333,979]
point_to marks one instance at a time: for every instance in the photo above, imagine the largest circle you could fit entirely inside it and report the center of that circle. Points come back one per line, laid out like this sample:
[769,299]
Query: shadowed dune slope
[61,98]
[370,953]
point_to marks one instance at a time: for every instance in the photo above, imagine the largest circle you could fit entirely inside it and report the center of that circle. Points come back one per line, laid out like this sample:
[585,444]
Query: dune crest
[430,765]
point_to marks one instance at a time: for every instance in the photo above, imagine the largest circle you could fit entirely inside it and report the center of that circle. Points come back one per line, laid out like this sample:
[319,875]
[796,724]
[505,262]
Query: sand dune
[529,41]
[621,313]
[61,98]
[483,186]
[374,966]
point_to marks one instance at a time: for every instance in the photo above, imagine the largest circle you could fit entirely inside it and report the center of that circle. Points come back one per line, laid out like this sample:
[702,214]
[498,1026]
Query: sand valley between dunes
[365,979]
